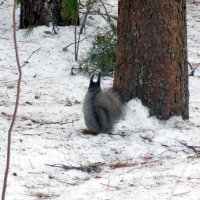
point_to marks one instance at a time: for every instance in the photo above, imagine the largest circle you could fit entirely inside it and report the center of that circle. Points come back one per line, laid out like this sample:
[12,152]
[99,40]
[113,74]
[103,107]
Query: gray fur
[101,109]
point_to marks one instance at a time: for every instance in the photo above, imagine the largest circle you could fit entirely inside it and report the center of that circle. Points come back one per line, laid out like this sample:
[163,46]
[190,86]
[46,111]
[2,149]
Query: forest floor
[146,159]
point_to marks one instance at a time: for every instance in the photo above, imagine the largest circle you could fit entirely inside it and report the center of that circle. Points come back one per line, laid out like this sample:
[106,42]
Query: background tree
[41,12]
[151,53]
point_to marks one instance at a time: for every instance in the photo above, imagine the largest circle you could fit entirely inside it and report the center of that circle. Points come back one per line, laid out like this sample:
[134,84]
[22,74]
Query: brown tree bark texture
[31,13]
[152,55]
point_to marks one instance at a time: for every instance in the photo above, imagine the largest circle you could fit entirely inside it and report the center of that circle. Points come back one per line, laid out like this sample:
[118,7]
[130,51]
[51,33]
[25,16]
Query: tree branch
[16,104]
[65,48]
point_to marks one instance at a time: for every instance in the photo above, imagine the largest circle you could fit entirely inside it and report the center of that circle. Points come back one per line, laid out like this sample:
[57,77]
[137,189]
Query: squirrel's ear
[99,78]
[91,79]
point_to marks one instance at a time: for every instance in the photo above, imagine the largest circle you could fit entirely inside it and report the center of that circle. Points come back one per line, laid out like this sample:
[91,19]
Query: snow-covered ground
[146,159]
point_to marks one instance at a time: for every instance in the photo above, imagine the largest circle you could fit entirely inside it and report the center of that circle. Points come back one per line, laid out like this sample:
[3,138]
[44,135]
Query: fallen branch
[61,181]
[146,138]
[196,149]
[123,165]
[42,123]
[95,167]
[86,131]
[41,195]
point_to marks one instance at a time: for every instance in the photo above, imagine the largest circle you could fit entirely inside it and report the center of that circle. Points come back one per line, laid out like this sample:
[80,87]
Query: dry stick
[108,16]
[96,12]
[193,68]
[75,40]
[75,34]
[78,42]
[88,7]
[16,105]
[84,21]
[25,62]
[196,149]
[65,48]
[85,168]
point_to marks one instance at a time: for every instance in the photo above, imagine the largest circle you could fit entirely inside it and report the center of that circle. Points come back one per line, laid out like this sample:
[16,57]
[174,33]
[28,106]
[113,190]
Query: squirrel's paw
[87,131]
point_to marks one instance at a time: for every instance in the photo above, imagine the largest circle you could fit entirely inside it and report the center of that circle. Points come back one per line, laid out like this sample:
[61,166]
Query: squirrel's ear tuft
[91,79]
[99,78]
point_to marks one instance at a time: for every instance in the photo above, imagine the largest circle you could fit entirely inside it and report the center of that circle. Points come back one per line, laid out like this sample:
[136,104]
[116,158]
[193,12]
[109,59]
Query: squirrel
[101,109]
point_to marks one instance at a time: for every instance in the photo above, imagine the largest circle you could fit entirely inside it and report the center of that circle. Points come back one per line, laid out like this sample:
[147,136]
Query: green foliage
[29,31]
[101,56]
[69,10]
[20,1]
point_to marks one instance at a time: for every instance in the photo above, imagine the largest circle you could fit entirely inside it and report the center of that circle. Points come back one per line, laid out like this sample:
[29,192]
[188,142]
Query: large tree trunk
[32,13]
[152,55]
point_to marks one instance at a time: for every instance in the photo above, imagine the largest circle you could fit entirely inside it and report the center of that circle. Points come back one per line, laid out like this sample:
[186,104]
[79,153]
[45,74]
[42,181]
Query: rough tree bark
[32,13]
[152,55]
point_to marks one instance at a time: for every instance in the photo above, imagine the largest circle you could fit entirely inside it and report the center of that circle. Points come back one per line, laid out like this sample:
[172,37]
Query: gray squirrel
[101,109]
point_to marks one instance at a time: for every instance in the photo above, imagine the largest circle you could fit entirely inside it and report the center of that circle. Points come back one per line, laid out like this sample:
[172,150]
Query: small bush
[101,56]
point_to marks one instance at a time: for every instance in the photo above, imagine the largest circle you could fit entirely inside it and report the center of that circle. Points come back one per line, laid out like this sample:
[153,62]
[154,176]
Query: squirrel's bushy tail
[108,109]
[101,109]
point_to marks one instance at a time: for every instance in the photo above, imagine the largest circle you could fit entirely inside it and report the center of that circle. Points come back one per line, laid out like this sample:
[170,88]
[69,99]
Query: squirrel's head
[95,86]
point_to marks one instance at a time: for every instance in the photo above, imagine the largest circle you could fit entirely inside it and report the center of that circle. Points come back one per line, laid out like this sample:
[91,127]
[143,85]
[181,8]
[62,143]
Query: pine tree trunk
[152,55]
[31,13]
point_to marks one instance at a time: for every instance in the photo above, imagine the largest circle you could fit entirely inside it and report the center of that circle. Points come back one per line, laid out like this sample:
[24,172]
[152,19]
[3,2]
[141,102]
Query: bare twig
[88,8]
[94,167]
[146,138]
[123,165]
[65,48]
[42,123]
[61,181]
[193,68]
[65,167]
[196,149]
[86,131]
[75,42]
[108,16]
[25,62]
[84,21]
[41,195]
[75,35]
[97,12]
[190,65]
[16,105]
[110,186]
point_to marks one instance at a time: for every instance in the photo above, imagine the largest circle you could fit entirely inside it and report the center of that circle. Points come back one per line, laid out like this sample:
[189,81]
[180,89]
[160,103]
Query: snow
[47,129]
